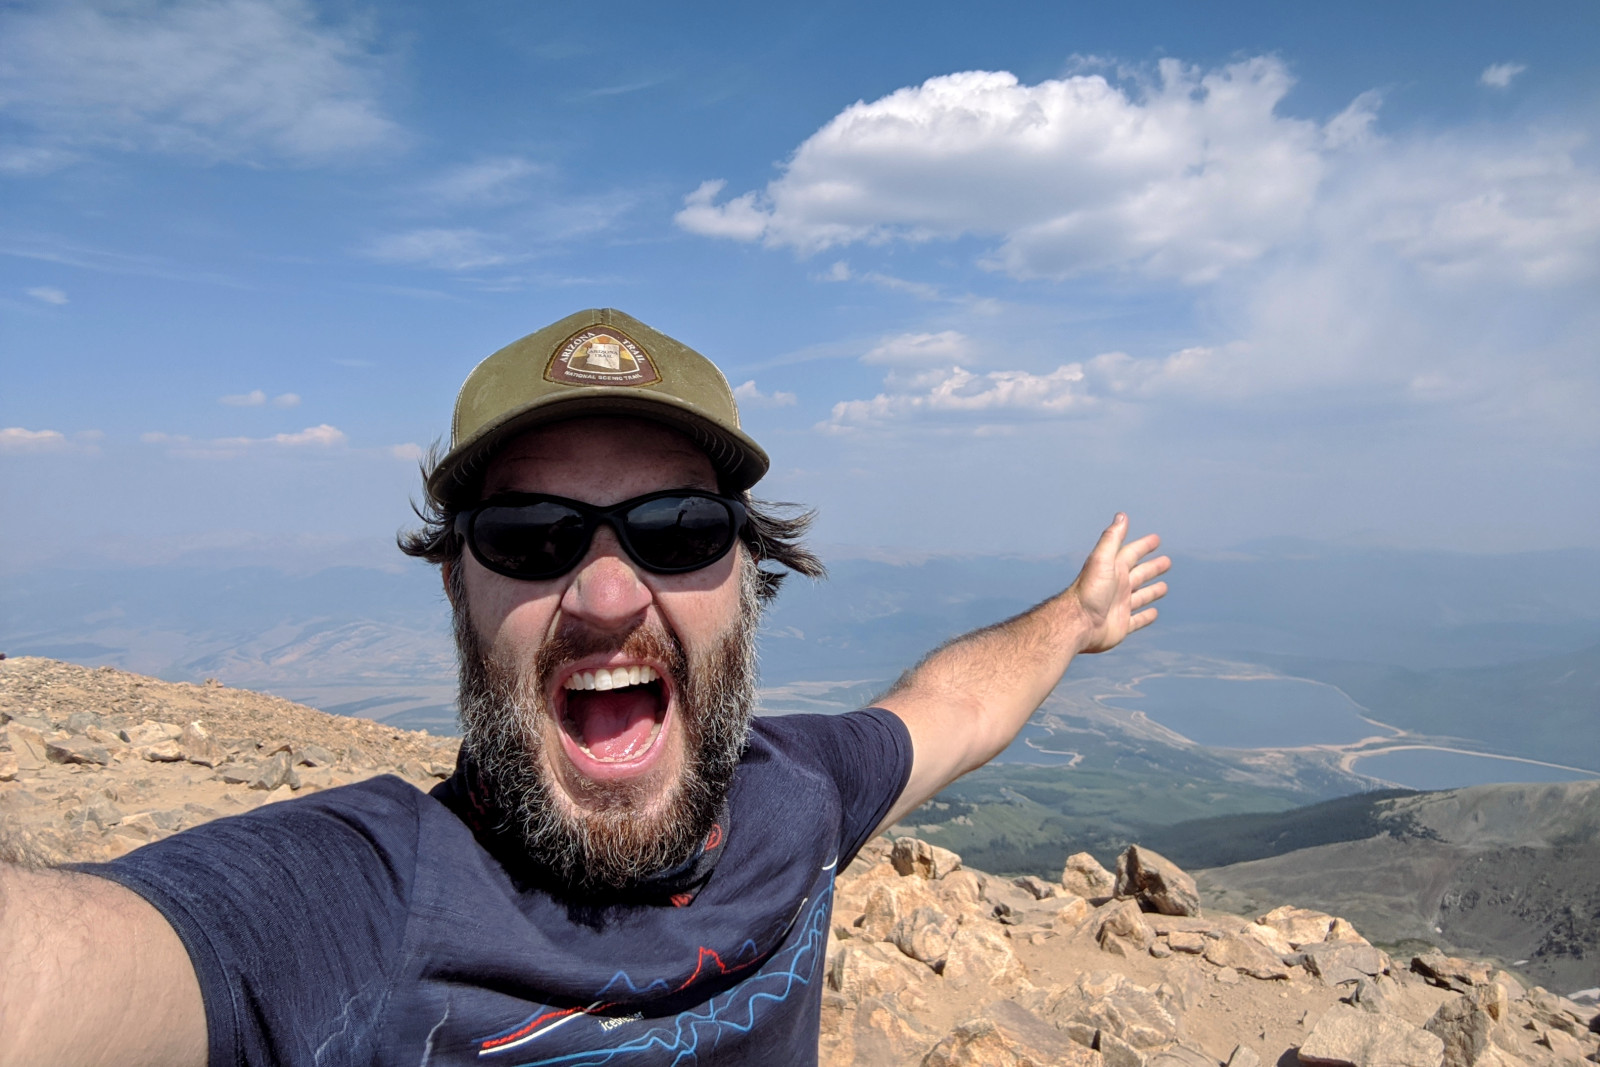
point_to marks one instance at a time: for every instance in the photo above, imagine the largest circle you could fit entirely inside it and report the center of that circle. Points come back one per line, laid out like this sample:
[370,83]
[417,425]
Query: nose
[606,591]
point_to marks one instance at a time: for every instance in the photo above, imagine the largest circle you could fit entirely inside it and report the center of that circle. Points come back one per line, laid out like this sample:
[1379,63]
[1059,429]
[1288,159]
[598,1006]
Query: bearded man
[627,867]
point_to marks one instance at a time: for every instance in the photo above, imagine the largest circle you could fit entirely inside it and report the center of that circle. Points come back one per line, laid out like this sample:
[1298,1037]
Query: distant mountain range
[1511,871]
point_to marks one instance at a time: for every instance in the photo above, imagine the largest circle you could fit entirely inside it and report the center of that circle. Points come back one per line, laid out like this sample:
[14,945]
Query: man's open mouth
[614,714]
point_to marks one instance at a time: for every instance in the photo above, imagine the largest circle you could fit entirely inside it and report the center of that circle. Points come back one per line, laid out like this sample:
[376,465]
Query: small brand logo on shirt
[612,1024]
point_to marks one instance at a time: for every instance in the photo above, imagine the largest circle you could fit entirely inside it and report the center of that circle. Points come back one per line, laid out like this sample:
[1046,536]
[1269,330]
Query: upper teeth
[615,678]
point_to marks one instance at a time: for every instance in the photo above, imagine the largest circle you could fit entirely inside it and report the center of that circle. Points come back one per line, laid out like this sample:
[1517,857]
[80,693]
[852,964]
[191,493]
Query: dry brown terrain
[928,962]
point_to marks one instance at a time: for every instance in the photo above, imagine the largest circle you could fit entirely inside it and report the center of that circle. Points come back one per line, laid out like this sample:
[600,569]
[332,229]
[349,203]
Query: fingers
[1149,569]
[1143,619]
[1111,539]
[1134,551]
[1148,595]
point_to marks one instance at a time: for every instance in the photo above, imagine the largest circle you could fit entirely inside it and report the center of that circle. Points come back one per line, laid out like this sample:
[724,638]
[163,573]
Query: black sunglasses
[534,537]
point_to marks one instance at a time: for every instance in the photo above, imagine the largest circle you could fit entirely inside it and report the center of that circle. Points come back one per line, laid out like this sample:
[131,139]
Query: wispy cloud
[48,295]
[1499,75]
[442,248]
[257,398]
[312,437]
[236,80]
[70,254]
[18,439]
[750,396]
[486,182]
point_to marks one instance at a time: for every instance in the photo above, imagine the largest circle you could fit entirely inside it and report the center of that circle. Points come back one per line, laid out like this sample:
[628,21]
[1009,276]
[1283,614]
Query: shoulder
[820,740]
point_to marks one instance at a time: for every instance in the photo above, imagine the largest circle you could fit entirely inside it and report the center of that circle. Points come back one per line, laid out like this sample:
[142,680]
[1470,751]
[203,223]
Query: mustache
[574,641]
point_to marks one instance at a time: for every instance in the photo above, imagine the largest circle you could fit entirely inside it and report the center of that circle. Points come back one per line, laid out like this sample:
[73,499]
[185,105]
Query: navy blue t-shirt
[367,924]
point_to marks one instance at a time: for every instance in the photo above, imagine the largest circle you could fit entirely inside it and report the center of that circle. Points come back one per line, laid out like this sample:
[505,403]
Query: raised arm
[91,974]
[967,700]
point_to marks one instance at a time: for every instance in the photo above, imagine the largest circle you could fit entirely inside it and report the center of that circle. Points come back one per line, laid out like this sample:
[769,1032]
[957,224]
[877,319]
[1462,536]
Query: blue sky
[982,276]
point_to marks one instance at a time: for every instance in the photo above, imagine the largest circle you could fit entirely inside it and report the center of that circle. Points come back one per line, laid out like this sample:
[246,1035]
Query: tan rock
[1084,876]
[1564,1047]
[76,750]
[924,935]
[1464,1026]
[1119,928]
[199,748]
[1341,930]
[1337,962]
[1007,1035]
[167,751]
[1246,956]
[151,732]
[961,887]
[1107,1002]
[1451,972]
[1345,1037]
[8,766]
[889,902]
[1299,926]
[1243,1056]
[1156,882]
[1270,939]
[981,955]
[27,746]
[1073,913]
[912,855]
[1037,887]
[862,970]
[1187,941]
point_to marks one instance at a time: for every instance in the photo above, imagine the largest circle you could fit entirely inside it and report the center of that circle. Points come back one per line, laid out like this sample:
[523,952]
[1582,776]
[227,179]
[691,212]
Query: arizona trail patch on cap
[601,356]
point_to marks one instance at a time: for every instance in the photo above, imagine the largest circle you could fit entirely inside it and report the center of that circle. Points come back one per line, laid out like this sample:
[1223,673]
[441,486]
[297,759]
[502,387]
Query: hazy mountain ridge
[1511,871]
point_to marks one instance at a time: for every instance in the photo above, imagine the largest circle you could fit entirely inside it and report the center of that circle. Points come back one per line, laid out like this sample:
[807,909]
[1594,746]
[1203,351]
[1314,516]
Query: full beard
[617,839]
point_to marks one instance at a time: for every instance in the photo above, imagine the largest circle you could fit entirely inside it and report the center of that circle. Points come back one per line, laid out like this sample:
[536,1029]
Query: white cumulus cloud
[237,80]
[1189,176]
[1001,395]
[18,439]
[750,396]
[1499,75]
[1180,177]
[253,399]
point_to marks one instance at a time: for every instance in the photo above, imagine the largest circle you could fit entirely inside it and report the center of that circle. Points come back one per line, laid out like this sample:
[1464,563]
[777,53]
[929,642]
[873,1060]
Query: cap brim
[738,460]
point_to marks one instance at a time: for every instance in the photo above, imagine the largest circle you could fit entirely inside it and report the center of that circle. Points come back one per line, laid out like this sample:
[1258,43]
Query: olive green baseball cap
[597,362]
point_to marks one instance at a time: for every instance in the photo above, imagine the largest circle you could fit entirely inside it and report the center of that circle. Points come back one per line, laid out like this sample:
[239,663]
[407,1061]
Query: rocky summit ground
[928,963]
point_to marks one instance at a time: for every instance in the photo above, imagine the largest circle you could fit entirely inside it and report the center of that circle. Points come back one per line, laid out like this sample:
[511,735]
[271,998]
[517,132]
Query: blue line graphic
[734,1011]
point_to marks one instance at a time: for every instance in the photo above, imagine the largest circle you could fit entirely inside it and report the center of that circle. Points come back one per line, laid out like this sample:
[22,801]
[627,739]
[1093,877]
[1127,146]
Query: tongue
[615,725]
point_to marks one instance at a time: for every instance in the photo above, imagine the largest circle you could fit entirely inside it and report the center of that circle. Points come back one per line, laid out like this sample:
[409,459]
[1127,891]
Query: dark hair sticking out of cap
[597,362]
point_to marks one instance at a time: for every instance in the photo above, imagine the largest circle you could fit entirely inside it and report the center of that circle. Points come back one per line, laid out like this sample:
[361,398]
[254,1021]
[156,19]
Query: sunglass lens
[680,533]
[529,541]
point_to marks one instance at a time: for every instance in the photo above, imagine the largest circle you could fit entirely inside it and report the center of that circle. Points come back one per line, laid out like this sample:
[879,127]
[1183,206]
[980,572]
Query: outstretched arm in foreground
[92,974]
[966,701]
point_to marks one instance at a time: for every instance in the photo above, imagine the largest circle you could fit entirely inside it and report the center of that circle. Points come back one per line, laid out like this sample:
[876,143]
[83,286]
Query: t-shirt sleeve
[867,753]
[294,918]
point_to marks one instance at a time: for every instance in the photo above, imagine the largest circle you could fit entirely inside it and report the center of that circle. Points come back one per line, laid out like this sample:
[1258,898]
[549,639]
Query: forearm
[986,684]
[91,974]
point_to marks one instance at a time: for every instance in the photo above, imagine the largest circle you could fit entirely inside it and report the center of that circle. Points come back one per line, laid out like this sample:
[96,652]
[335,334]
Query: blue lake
[1250,712]
[1430,769]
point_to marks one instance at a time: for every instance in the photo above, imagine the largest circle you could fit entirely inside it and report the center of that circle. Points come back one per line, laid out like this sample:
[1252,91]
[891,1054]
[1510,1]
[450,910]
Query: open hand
[1114,589]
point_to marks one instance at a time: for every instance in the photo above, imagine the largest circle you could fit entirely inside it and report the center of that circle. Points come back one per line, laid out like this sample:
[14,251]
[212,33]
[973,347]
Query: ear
[446,569]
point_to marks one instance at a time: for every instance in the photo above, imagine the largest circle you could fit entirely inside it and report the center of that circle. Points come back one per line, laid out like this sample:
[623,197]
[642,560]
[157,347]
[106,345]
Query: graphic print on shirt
[679,1040]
